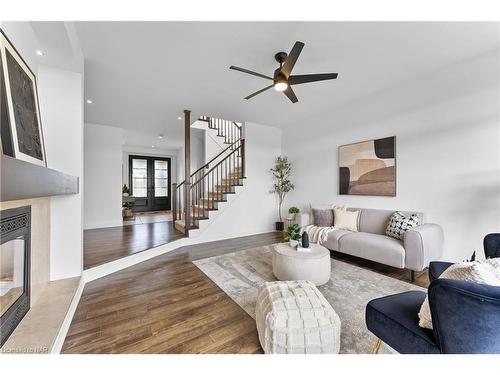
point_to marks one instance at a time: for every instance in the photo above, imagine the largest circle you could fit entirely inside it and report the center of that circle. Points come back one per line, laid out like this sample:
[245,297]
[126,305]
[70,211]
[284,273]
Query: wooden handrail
[208,184]
[215,157]
[216,165]
[206,165]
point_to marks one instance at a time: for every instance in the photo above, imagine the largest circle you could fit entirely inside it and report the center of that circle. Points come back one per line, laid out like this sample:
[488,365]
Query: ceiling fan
[282,79]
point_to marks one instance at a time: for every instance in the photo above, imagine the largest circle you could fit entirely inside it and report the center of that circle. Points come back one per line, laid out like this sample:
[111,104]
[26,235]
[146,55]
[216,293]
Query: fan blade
[291,59]
[305,78]
[258,92]
[290,94]
[249,72]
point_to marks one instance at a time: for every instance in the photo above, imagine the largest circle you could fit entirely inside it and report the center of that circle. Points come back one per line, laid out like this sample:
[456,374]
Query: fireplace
[15,246]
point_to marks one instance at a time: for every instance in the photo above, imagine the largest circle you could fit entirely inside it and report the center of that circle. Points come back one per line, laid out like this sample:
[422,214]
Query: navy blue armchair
[465,315]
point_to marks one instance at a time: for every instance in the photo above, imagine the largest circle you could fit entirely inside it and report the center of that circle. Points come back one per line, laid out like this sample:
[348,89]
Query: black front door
[150,182]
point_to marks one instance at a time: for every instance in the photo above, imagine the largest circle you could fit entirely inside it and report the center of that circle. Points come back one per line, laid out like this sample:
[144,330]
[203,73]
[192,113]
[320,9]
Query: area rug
[241,274]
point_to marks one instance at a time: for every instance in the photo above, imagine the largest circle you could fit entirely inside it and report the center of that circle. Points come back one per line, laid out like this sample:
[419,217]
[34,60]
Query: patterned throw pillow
[322,218]
[400,223]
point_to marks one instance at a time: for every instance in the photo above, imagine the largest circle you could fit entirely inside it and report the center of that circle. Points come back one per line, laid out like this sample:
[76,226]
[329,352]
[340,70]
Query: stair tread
[205,208]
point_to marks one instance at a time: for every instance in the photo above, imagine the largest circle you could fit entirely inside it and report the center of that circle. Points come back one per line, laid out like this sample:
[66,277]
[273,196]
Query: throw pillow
[344,219]
[322,218]
[480,271]
[400,223]
[318,206]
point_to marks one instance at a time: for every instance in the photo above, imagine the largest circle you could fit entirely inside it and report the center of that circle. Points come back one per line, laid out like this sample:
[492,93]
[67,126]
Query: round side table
[313,265]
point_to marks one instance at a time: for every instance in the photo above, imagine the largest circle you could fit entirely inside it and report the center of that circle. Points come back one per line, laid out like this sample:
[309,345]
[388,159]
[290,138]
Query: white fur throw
[480,271]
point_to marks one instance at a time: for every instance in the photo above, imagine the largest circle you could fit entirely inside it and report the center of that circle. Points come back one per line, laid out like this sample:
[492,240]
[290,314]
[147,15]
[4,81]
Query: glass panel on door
[150,182]
[139,178]
[161,178]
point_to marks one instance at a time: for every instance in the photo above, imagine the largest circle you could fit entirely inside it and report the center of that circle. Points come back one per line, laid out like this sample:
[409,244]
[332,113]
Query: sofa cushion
[376,247]
[375,221]
[394,319]
[332,240]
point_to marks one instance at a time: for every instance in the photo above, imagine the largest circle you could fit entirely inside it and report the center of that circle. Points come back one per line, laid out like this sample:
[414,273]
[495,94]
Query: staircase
[213,182]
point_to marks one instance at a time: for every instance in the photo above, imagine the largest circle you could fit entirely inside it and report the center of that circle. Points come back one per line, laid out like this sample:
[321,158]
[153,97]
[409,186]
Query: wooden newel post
[187,170]
[174,201]
[243,158]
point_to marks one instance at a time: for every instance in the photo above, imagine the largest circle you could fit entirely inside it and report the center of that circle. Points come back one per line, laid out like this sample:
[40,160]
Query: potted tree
[281,171]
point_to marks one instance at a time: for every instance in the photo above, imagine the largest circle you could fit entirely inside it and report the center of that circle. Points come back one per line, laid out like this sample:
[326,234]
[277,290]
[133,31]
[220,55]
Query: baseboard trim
[63,331]
[104,225]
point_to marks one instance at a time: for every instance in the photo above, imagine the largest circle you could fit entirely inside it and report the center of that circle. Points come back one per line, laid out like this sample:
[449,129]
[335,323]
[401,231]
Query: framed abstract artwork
[368,168]
[21,128]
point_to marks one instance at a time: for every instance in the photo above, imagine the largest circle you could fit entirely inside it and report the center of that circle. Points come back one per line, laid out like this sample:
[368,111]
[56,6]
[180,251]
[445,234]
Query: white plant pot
[294,243]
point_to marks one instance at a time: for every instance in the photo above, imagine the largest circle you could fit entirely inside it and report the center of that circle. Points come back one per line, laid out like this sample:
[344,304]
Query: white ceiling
[141,75]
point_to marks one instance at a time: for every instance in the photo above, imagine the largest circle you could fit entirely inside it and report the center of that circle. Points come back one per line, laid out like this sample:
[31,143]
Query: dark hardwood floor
[421,278]
[107,244]
[167,305]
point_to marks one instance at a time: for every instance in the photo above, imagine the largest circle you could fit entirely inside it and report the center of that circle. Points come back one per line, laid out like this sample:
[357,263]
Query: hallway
[104,245]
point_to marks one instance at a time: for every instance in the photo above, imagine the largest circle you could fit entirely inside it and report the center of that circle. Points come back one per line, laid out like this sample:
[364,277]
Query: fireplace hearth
[15,249]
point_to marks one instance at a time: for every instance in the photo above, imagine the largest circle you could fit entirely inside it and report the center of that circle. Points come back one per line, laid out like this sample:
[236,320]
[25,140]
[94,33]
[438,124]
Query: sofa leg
[376,347]
[412,276]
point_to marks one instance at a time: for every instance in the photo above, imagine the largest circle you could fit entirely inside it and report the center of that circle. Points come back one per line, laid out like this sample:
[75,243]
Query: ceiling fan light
[280,86]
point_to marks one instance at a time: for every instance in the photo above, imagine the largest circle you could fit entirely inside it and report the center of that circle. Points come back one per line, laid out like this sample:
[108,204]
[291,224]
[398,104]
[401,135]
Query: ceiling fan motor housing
[281,57]
[278,76]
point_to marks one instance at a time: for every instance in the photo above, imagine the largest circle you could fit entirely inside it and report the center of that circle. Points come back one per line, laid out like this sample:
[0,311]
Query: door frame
[150,180]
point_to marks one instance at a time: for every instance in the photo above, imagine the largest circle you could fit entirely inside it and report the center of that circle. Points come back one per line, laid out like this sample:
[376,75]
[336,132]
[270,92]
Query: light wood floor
[167,305]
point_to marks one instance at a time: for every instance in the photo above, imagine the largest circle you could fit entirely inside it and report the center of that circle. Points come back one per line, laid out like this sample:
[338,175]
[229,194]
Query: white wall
[447,129]
[60,89]
[197,148]
[103,176]
[254,209]
[61,98]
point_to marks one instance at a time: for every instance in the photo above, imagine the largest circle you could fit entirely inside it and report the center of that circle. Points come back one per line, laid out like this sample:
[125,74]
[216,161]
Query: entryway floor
[104,245]
[150,217]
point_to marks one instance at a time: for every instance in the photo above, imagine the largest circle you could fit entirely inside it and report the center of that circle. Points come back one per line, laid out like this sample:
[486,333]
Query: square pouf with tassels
[293,317]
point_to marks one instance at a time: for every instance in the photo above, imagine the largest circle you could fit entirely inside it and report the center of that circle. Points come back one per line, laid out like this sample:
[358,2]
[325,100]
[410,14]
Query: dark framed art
[21,127]
[368,168]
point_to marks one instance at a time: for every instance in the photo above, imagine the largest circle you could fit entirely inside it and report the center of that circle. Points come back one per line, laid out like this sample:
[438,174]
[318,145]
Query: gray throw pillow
[322,218]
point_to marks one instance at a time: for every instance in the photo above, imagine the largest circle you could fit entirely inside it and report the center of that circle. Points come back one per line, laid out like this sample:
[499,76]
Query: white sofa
[421,244]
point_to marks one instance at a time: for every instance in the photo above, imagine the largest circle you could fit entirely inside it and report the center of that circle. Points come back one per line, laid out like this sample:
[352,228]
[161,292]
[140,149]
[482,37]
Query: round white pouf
[313,265]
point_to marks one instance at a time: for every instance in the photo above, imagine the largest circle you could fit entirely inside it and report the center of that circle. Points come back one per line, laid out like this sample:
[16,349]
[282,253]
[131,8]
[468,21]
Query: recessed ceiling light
[153,146]
[160,136]
[89,101]
[39,53]
[179,118]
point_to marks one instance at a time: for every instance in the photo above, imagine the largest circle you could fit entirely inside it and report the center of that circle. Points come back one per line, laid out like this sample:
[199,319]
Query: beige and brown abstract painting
[368,168]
